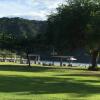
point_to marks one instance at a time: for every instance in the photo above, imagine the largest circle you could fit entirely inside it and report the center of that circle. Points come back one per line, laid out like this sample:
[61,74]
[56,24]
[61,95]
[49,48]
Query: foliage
[17,31]
[76,25]
[20,35]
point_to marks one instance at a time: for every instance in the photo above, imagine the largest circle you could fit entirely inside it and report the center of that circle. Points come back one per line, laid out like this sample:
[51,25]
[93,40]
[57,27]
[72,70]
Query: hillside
[14,25]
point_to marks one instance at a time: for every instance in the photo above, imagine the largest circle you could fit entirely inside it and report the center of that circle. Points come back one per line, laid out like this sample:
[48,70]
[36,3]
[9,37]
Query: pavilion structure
[69,58]
[35,57]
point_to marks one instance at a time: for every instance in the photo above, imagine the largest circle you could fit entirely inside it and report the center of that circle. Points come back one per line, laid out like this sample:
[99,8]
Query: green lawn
[19,82]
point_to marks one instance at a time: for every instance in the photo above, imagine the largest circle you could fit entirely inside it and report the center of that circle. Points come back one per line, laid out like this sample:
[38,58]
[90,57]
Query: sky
[28,9]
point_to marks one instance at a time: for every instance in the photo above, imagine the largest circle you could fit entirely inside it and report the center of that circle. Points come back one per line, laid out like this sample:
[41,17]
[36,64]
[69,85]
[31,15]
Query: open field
[18,82]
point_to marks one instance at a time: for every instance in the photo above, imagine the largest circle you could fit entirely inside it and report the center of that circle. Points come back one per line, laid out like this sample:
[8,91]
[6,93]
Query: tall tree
[93,38]
[68,27]
[19,35]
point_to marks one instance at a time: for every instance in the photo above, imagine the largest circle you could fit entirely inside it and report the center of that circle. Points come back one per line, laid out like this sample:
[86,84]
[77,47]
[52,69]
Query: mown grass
[18,82]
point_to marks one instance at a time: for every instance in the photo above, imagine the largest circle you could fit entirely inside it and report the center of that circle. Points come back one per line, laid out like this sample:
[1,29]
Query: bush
[93,68]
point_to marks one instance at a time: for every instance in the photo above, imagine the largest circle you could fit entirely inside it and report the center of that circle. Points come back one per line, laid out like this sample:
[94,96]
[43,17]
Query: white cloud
[31,9]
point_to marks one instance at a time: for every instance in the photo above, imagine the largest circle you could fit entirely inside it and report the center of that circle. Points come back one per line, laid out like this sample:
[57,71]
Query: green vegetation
[76,25]
[20,36]
[17,82]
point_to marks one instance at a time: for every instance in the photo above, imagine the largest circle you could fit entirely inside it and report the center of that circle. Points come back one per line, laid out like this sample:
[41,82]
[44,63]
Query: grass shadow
[23,68]
[82,74]
[45,85]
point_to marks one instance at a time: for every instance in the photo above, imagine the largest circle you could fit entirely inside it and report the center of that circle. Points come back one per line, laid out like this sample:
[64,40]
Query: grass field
[19,82]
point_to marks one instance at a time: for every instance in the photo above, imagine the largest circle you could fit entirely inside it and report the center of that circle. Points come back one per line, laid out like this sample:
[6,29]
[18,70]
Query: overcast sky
[30,9]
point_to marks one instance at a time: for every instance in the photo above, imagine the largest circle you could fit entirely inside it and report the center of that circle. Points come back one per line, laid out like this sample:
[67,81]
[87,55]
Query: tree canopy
[20,35]
[76,25]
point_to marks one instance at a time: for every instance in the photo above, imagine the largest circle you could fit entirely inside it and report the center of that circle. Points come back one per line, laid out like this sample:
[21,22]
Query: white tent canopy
[72,58]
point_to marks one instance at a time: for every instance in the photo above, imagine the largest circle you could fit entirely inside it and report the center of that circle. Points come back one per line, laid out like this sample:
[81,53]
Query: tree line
[20,35]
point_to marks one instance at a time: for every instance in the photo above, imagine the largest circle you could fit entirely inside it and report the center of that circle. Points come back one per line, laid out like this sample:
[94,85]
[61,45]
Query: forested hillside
[20,32]
[16,25]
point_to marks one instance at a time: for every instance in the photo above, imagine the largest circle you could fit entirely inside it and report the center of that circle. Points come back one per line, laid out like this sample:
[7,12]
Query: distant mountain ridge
[16,23]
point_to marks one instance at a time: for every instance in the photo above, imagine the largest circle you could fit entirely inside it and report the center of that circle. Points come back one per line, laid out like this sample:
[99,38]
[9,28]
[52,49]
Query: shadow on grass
[82,74]
[45,85]
[25,68]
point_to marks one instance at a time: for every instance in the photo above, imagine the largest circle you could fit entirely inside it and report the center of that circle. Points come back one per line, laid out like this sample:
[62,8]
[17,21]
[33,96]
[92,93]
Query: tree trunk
[61,62]
[95,54]
[28,59]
